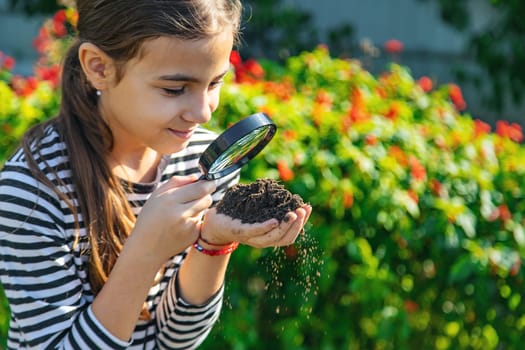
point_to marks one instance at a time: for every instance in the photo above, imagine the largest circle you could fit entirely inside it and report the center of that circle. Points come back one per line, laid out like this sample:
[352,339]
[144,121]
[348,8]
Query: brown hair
[119,28]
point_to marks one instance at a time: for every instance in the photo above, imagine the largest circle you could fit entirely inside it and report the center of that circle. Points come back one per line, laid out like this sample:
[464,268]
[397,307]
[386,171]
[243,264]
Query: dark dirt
[259,201]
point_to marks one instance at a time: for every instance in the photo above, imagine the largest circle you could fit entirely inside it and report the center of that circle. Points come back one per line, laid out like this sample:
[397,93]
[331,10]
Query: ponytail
[102,201]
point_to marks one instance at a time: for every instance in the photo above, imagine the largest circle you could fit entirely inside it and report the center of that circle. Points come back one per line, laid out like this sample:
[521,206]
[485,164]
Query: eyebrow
[187,78]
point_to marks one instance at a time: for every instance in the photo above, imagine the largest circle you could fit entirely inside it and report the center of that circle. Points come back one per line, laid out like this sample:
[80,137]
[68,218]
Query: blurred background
[476,43]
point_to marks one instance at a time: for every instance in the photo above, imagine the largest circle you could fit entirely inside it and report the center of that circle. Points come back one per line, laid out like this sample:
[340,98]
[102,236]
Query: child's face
[166,92]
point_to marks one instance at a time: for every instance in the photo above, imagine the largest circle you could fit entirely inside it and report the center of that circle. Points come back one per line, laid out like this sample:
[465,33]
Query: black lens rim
[228,138]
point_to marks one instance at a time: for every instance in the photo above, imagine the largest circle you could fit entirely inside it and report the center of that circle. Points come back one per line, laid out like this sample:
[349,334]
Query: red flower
[41,41]
[291,251]
[246,72]
[9,63]
[512,131]
[51,74]
[60,16]
[457,97]
[285,173]
[59,23]
[394,46]
[235,58]
[411,306]
[437,187]
[254,68]
[480,128]
[504,213]
[23,86]
[394,111]
[425,83]
[515,268]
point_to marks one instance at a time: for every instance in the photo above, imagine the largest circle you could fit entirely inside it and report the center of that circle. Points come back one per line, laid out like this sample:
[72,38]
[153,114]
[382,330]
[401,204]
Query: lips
[183,134]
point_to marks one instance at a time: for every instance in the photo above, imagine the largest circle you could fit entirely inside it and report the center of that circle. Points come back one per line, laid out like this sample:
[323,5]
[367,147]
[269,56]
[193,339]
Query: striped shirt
[44,273]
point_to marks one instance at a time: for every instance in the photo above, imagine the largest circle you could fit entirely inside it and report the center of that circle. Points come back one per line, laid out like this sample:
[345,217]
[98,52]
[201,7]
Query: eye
[174,92]
[216,84]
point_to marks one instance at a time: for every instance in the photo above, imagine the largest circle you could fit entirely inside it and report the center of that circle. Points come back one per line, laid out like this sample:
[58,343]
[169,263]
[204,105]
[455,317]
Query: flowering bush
[416,239]
[417,236]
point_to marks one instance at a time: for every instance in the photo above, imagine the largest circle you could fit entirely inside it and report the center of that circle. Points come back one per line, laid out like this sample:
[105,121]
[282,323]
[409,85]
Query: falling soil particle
[259,201]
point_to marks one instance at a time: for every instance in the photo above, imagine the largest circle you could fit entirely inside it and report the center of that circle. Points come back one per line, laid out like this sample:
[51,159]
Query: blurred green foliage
[416,239]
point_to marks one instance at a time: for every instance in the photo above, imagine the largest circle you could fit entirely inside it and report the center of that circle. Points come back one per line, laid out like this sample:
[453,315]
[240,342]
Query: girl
[100,208]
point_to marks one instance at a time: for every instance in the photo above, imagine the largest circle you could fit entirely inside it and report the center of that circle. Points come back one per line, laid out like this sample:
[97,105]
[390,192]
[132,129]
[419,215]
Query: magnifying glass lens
[236,153]
[236,146]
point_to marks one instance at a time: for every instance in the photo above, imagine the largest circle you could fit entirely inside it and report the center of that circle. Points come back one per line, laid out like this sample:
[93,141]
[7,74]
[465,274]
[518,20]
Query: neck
[135,167]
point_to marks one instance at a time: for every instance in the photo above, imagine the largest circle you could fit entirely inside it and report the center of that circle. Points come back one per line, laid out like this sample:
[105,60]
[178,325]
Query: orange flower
[358,108]
[324,98]
[348,199]
[397,153]
[371,140]
[283,89]
[413,195]
[457,97]
[417,170]
[285,173]
[290,135]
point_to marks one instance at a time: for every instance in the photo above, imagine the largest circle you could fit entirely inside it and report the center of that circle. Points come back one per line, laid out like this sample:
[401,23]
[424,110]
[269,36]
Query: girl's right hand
[169,220]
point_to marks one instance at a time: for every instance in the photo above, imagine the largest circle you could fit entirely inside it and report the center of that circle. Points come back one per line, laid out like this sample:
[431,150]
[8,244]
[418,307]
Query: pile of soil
[258,201]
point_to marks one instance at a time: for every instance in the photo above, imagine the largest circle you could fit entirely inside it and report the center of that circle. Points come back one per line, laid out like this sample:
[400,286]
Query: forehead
[170,54]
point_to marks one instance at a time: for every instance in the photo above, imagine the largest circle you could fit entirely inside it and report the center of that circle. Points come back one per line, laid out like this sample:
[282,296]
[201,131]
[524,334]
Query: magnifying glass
[236,146]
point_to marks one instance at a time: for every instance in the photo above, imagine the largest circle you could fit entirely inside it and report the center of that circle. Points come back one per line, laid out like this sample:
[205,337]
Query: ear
[97,65]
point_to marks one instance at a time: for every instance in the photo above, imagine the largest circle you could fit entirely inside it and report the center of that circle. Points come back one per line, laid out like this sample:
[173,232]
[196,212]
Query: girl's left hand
[222,229]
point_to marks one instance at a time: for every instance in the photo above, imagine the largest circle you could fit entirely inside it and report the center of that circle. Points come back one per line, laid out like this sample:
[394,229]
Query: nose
[200,109]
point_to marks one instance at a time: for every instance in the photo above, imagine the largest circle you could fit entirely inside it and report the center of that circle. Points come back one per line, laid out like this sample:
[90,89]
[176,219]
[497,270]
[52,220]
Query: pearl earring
[99,93]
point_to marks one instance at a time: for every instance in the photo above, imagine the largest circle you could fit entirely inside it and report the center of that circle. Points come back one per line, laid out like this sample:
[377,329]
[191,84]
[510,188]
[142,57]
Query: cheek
[214,99]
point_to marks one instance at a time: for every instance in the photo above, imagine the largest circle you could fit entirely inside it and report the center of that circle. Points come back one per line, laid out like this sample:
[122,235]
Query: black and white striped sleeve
[38,273]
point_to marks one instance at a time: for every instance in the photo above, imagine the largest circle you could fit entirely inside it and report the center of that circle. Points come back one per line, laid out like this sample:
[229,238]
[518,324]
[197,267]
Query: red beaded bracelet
[227,248]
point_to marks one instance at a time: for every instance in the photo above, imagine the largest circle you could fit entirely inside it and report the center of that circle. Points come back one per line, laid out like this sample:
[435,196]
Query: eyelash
[178,92]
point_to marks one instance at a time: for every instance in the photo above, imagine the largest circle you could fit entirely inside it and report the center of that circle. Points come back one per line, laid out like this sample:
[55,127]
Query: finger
[178,181]
[248,230]
[192,191]
[285,234]
[295,229]
[197,207]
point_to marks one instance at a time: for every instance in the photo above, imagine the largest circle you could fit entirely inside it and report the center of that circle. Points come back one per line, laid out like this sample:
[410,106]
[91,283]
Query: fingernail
[288,217]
